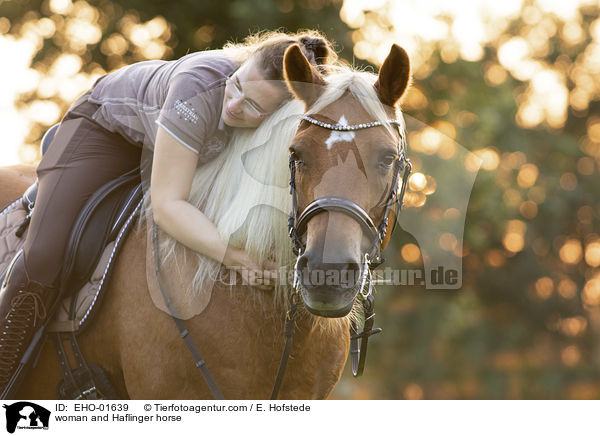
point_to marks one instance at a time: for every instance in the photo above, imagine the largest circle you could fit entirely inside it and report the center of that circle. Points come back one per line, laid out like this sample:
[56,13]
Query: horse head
[346,161]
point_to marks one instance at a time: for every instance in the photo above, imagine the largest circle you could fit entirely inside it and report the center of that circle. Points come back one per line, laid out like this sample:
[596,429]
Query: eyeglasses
[236,91]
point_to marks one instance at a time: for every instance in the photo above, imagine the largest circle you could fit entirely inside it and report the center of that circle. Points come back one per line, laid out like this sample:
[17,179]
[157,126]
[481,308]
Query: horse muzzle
[328,289]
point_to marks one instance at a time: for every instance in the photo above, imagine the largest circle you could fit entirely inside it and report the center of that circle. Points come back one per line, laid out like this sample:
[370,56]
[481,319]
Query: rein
[184,333]
[296,228]
[191,346]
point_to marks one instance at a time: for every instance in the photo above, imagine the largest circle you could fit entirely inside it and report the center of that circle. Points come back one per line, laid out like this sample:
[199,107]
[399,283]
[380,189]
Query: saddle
[96,239]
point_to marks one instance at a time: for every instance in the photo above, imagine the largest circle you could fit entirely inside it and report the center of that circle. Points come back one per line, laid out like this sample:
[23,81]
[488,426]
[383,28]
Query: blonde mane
[245,191]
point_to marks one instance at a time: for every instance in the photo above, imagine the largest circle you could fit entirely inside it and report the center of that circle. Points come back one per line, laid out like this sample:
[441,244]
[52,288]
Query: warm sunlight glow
[60,6]
[568,181]
[571,251]
[62,79]
[570,355]
[417,181]
[411,253]
[567,288]
[591,292]
[528,209]
[514,238]
[462,32]
[573,326]
[489,158]
[13,124]
[592,254]
[472,162]
[448,242]
[544,287]
[527,176]
[495,258]
[430,140]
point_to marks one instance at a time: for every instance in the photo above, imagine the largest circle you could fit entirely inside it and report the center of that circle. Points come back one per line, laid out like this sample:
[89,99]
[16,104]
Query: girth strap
[80,383]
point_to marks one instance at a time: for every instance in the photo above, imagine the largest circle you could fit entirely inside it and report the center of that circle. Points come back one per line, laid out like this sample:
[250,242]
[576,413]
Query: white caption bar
[300,417]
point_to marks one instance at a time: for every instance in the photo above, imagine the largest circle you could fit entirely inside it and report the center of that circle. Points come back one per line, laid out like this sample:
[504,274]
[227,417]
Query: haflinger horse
[342,151]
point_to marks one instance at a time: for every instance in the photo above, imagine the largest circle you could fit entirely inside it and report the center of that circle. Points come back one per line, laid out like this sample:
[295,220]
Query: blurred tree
[73,42]
[527,322]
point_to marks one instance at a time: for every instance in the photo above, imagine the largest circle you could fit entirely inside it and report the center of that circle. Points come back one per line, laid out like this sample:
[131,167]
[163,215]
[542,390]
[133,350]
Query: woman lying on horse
[184,110]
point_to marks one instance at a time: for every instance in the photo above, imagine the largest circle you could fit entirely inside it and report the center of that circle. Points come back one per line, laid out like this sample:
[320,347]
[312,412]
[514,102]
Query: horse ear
[394,76]
[302,79]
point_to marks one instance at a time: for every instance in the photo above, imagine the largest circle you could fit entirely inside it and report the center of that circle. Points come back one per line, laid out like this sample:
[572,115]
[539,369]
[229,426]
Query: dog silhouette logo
[26,415]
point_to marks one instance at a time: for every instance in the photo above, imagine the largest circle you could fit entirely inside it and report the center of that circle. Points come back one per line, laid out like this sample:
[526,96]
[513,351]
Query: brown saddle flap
[176,275]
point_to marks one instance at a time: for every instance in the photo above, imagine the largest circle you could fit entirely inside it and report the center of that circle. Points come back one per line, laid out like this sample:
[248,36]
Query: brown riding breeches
[82,157]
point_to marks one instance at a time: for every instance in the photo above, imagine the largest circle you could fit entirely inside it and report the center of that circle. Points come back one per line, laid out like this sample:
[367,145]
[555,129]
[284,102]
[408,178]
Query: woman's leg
[82,157]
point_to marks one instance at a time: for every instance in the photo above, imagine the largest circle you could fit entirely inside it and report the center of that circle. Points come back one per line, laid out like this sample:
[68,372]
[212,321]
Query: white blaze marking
[340,136]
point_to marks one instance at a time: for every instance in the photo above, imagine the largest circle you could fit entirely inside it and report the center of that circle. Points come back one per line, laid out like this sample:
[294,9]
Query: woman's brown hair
[271,46]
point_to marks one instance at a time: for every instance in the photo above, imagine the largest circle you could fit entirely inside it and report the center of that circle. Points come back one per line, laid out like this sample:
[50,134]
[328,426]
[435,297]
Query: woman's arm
[173,169]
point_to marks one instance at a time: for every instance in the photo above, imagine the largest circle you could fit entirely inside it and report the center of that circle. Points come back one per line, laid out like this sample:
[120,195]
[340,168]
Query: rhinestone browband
[344,127]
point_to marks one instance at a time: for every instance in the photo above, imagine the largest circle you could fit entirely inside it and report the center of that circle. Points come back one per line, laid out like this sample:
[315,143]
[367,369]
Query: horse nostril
[353,266]
[349,274]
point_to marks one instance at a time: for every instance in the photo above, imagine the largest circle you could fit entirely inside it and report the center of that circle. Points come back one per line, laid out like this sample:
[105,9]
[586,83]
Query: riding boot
[24,306]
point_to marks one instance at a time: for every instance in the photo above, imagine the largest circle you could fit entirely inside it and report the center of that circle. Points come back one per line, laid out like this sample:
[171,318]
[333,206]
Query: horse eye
[299,163]
[387,161]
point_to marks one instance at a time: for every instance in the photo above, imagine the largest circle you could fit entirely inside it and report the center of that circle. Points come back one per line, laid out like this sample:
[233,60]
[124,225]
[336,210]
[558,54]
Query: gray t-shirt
[183,96]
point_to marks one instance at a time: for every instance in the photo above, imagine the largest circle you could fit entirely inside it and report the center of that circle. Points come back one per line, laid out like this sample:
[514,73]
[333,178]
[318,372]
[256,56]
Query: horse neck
[262,308]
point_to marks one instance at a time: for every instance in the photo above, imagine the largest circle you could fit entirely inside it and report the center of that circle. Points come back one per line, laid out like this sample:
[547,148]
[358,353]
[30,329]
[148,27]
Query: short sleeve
[191,110]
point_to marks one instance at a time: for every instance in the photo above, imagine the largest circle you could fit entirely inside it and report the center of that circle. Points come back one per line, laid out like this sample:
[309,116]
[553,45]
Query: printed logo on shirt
[186,111]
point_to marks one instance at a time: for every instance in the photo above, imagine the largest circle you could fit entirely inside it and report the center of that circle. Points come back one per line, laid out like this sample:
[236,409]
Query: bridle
[298,221]
[297,224]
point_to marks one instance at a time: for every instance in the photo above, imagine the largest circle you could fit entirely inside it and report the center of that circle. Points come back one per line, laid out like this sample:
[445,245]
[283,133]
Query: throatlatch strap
[184,333]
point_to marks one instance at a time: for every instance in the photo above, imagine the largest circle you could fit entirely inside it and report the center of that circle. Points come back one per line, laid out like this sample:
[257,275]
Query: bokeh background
[516,82]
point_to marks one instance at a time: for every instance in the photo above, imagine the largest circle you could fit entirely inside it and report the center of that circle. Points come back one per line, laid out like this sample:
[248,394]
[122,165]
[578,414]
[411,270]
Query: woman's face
[249,98]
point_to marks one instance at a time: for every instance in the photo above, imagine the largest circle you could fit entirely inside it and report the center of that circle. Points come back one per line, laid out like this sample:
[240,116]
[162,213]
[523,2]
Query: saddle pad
[10,220]
[84,300]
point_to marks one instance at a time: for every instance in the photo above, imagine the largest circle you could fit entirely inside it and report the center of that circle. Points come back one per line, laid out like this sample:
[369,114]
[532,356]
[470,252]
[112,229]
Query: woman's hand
[254,275]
